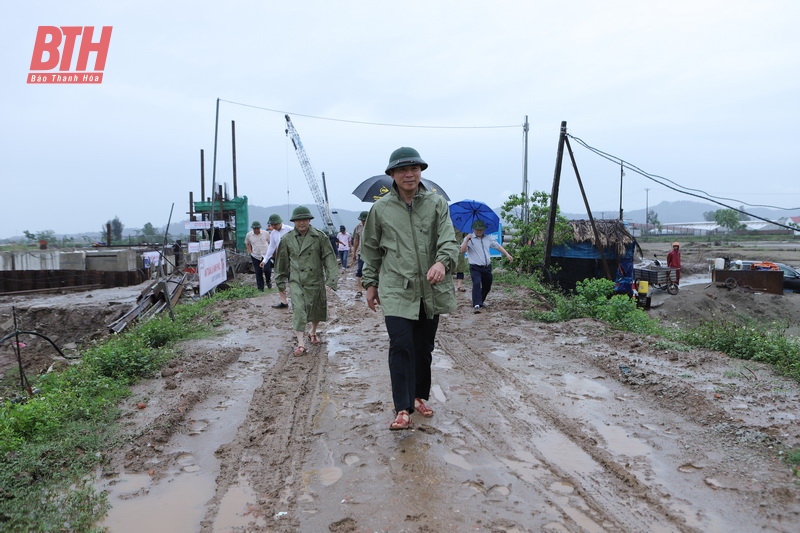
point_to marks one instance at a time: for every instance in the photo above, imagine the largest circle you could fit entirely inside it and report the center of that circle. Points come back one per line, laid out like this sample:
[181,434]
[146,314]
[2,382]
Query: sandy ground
[565,427]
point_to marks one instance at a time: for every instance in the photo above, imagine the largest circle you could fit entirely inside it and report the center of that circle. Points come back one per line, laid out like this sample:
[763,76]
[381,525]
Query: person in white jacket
[279,229]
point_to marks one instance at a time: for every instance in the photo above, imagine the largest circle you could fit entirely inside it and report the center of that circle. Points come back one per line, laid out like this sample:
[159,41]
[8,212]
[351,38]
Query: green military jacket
[307,261]
[400,244]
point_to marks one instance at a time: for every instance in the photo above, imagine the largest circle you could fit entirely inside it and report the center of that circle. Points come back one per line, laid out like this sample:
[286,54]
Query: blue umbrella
[465,212]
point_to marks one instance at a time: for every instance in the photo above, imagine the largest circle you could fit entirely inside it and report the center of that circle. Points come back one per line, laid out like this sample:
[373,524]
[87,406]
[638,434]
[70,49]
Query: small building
[582,257]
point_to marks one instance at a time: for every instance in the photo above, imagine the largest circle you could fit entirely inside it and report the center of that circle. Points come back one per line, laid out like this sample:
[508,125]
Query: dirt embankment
[564,427]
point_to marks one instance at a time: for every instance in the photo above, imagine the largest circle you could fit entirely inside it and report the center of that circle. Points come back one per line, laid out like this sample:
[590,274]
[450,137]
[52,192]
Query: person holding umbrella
[409,250]
[478,246]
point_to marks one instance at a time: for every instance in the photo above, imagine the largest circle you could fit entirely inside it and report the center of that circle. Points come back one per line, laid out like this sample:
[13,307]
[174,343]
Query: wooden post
[233,143]
[597,240]
[551,224]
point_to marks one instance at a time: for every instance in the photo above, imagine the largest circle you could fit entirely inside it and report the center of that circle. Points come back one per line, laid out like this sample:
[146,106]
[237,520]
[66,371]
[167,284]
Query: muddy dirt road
[570,427]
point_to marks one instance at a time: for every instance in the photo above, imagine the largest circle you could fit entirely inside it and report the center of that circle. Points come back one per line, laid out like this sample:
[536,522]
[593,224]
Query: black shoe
[281,306]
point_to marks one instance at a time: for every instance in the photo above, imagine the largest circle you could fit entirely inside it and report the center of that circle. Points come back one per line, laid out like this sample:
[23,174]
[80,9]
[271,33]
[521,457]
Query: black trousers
[259,272]
[410,347]
[481,282]
[268,273]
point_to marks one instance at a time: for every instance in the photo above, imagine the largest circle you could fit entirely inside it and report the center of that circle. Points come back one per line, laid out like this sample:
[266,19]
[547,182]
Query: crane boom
[305,163]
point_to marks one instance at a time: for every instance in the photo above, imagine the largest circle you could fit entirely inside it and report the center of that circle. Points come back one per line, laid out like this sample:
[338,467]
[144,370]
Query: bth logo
[48,53]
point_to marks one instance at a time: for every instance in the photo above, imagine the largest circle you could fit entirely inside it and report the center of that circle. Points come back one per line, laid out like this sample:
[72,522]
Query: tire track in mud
[617,499]
[269,449]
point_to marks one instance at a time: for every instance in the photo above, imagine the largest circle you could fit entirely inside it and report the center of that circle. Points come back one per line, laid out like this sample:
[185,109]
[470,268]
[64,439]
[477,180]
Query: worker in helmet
[410,252]
[256,242]
[674,261]
[277,230]
[357,238]
[305,261]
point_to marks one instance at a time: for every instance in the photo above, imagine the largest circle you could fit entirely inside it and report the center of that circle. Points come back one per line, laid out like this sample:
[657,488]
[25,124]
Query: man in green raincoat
[410,252]
[305,259]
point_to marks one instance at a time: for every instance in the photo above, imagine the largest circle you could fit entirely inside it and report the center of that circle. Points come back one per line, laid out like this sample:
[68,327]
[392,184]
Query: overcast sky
[703,93]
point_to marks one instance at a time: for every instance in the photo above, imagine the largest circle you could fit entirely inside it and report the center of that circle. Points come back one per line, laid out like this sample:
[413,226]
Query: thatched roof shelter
[611,233]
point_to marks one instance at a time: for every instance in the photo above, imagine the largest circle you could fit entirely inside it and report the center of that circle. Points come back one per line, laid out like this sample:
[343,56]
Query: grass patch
[666,344]
[594,298]
[50,443]
[764,343]
[792,458]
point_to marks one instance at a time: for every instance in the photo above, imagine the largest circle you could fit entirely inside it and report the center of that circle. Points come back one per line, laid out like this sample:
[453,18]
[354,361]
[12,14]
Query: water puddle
[501,353]
[238,509]
[620,443]
[138,504]
[457,460]
[177,501]
[586,388]
[564,453]
[323,476]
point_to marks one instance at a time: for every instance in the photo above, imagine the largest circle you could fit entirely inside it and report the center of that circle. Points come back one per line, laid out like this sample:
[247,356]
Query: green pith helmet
[255,224]
[404,157]
[301,212]
[363,216]
[275,219]
[479,224]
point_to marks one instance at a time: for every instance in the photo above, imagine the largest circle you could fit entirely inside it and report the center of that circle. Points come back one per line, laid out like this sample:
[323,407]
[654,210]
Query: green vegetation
[50,443]
[765,343]
[728,218]
[792,458]
[529,216]
[594,298]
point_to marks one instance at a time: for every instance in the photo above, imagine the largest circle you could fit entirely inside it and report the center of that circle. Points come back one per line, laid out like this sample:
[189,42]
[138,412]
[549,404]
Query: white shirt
[258,243]
[275,240]
[478,250]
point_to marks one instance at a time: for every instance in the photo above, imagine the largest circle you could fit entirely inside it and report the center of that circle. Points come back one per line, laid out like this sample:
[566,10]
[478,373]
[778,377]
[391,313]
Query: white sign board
[197,224]
[212,270]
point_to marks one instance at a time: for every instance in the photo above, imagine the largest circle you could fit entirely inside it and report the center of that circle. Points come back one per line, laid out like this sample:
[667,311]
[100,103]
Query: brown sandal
[422,408]
[403,421]
[314,339]
[300,350]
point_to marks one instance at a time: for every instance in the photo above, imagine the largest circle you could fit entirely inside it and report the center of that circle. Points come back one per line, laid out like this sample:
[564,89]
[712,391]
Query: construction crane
[320,196]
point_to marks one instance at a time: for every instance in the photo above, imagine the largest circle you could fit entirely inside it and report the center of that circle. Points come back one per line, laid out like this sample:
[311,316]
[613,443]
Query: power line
[283,112]
[685,190]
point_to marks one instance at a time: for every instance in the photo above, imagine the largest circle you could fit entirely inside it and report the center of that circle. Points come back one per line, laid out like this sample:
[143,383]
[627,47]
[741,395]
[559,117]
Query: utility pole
[621,175]
[647,211]
[525,211]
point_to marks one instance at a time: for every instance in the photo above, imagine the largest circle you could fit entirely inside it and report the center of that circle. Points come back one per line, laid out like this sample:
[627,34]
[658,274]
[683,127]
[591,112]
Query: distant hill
[681,211]
[340,216]
[668,213]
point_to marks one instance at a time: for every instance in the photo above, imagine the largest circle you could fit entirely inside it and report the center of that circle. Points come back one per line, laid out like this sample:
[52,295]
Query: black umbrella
[376,187]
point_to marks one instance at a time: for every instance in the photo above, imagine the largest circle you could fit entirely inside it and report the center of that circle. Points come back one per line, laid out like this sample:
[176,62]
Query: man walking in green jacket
[305,259]
[410,251]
